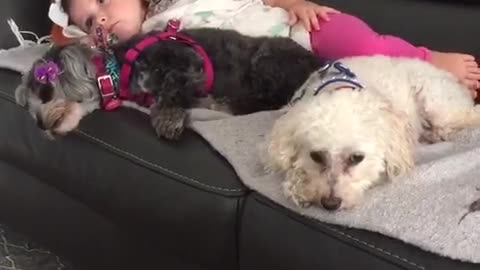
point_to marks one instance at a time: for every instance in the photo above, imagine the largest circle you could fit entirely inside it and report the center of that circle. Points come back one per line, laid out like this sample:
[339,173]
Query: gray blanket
[20,59]
[424,209]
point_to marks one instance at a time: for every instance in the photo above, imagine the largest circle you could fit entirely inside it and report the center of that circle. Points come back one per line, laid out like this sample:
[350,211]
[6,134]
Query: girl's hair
[65,5]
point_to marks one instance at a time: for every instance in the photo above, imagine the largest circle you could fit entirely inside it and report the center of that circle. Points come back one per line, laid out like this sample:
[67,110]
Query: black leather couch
[112,196]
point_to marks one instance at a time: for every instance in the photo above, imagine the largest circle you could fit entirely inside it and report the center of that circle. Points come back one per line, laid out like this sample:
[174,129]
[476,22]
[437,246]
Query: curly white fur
[335,146]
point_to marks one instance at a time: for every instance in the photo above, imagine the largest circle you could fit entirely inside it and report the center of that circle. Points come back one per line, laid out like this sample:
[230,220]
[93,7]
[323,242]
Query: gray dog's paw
[168,122]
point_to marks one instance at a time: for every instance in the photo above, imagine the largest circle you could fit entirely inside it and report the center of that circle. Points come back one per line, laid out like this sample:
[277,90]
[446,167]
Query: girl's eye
[89,23]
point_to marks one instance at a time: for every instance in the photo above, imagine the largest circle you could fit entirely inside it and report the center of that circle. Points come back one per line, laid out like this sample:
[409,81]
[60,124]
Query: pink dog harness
[112,100]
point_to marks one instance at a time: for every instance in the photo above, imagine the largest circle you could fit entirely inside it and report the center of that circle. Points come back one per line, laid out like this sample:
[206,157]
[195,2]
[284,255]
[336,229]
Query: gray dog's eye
[46,94]
[355,159]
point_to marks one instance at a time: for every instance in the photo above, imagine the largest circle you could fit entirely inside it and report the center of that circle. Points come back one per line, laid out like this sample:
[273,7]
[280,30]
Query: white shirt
[249,17]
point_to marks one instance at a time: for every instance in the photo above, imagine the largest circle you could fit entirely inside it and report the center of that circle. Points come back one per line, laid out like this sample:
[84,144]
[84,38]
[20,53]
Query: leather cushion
[180,195]
[273,237]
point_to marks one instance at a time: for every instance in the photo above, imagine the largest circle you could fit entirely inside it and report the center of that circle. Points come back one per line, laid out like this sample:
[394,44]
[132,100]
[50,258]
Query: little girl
[327,32]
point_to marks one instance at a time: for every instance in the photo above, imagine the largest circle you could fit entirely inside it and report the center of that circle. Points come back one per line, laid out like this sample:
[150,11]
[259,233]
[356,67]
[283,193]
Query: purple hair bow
[47,73]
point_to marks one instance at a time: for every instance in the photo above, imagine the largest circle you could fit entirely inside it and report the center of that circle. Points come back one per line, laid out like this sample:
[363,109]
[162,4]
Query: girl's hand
[308,12]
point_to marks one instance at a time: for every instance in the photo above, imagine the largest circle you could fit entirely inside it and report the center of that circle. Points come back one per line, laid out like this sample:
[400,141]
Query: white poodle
[334,144]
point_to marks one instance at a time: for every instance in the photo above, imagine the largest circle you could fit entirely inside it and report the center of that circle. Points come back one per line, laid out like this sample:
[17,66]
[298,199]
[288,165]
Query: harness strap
[106,85]
[171,34]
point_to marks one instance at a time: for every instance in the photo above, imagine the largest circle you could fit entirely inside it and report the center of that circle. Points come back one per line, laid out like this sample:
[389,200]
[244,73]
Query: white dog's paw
[297,193]
[300,201]
[439,134]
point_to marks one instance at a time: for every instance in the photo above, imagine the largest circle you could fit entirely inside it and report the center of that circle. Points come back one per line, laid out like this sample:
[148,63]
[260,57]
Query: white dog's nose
[331,203]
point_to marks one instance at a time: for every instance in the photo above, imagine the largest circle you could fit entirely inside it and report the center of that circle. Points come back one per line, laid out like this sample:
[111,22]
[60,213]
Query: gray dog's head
[60,89]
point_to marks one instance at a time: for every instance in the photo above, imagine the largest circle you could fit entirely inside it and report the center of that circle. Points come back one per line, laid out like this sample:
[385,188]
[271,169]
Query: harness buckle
[173,25]
[100,80]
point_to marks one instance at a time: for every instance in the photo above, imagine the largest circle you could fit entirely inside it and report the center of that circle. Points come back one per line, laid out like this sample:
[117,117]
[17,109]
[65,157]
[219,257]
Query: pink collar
[171,34]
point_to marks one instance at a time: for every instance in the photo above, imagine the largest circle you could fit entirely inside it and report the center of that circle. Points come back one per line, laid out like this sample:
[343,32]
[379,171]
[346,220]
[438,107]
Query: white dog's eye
[319,157]
[355,159]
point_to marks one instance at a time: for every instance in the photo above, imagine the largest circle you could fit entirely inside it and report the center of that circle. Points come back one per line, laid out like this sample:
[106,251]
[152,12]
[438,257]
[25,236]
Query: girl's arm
[305,11]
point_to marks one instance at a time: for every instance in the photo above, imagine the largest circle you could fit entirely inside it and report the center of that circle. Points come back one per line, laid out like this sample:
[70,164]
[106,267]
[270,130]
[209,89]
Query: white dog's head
[335,146]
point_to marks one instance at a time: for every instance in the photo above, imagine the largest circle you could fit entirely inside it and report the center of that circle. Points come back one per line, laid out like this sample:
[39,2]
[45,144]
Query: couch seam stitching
[152,164]
[386,252]
[145,161]
[336,231]
[7,95]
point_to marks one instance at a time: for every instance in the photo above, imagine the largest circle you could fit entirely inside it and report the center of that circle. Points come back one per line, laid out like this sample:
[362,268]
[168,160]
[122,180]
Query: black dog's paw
[168,122]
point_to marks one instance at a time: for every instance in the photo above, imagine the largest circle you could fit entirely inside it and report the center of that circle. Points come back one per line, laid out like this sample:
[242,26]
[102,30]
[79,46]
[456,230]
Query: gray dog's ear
[21,93]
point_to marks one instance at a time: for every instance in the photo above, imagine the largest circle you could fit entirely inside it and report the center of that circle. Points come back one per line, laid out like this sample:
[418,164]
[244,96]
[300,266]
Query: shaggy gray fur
[80,75]
[80,80]
[21,59]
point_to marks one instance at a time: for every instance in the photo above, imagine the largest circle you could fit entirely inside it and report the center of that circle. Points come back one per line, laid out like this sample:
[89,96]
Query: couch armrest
[29,16]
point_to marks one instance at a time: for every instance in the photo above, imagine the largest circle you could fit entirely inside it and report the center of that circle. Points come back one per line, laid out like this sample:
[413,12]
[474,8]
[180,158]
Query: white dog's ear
[281,146]
[400,144]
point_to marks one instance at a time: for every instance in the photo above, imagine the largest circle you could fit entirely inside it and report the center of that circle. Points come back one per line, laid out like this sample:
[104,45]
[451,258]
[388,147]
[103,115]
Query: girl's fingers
[293,18]
[314,19]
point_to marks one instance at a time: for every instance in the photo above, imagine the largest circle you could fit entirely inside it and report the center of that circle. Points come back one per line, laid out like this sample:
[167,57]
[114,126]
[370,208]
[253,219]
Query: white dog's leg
[447,108]
[298,188]
[469,118]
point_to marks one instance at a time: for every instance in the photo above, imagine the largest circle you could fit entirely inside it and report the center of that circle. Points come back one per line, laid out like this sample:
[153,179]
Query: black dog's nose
[40,123]
[331,203]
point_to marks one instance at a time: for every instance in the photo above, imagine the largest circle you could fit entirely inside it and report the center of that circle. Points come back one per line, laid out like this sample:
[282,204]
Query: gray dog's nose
[331,203]
[40,123]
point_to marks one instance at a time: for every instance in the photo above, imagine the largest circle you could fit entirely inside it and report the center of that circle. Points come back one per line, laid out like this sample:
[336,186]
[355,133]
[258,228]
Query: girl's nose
[102,20]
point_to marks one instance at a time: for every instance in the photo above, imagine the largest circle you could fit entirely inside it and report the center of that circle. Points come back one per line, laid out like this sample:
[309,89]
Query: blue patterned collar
[333,74]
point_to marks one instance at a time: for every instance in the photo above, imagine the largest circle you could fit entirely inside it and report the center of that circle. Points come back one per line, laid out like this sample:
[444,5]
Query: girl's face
[121,17]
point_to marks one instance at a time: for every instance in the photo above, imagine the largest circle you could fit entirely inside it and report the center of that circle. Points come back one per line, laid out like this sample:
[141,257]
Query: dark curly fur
[251,74]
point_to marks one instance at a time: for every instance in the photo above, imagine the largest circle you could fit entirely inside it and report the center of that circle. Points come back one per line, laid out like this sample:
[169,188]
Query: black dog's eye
[45,93]
[319,157]
[356,158]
